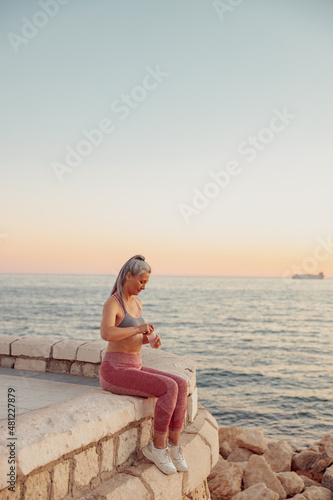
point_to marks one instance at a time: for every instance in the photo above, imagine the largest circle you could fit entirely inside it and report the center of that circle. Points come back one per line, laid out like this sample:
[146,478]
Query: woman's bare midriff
[130,345]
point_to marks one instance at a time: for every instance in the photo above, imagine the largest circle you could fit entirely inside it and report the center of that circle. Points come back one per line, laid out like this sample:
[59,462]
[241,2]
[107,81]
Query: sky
[197,133]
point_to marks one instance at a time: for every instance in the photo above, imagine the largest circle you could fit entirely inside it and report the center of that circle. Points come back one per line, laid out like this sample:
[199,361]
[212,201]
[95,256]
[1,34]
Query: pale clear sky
[205,87]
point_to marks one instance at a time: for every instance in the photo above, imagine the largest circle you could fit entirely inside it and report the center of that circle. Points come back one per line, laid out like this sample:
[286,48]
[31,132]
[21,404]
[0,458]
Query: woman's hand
[157,342]
[146,328]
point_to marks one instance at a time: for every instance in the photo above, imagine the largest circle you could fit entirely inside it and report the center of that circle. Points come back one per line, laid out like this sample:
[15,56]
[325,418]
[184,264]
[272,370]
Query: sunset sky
[197,133]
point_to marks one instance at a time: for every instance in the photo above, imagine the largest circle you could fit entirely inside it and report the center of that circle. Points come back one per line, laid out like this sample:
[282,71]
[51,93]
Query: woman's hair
[135,265]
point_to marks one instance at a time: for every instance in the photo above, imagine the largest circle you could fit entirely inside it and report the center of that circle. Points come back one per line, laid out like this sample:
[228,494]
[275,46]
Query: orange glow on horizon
[95,257]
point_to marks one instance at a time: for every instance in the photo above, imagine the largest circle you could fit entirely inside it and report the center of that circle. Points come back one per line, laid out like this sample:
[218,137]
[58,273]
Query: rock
[241,464]
[299,496]
[257,492]
[227,437]
[314,447]
[291,482]
[225,480]
[252,440]
[327,480]
[279,456]
[258,471]
[326,443]
[317,493]
[325,459]
[311,475]
[239,455]
[304,460]
[307,481]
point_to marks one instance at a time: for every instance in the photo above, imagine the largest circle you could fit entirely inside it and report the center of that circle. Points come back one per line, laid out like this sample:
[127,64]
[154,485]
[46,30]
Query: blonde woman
[122,372]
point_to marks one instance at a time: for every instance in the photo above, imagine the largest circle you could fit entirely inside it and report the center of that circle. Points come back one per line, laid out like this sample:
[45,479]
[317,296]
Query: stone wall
[89,447]
[44,354]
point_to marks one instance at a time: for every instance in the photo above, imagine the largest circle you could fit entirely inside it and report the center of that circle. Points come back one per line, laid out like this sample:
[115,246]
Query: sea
[263,347]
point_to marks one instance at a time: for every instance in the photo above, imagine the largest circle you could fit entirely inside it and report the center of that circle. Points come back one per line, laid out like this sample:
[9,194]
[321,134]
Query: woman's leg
[135,382]
[178,415]
[176,422]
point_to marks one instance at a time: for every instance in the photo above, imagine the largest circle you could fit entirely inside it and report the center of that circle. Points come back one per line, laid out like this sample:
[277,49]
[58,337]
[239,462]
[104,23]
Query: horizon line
[159,275]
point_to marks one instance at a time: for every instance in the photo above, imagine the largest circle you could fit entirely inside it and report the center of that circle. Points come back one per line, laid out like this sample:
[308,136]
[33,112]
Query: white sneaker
[160,457]
[177,457]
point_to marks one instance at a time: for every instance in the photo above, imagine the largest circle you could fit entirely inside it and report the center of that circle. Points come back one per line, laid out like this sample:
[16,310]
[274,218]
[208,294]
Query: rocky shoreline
[250,468]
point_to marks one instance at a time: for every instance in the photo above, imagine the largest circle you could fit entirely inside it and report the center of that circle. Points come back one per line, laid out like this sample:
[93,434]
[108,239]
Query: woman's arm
[144,338]
[108,329]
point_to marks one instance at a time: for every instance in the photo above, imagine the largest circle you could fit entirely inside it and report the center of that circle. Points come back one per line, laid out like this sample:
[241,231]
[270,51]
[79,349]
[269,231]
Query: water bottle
[152,338]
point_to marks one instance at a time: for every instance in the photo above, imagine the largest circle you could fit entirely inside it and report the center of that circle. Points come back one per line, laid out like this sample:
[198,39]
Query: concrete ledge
[6,342]
[92,352]
[113,467]
[79,357]
[33,347]
[92,442]
[46,434]
[66,349]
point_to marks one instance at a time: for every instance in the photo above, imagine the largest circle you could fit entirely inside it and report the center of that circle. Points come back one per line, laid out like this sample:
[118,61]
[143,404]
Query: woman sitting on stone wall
[122,372]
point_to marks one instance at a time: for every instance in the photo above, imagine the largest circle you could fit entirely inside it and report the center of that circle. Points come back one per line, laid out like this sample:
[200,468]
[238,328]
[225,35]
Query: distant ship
[319,276]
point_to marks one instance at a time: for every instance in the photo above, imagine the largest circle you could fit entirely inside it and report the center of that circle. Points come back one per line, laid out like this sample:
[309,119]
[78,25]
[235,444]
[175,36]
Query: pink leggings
[123,373]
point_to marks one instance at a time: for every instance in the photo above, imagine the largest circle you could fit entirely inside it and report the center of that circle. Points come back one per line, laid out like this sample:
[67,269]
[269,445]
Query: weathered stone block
[258,471]
[86,466]
[11,495]
[121,487]
[279,456]
[90,352]
[227,439]
[304,460]
[89,370]
[257,492]
[58,366]
[163,486]
[33,347]
[7,361]
[35,365]
[127,444]
[252,440]
[142,406]
[6,343]
[203,427]
[67,349]
[291,482]
[60,482]
[307,480]
[225,480]
[146,432]
[327,480]
[317,493]
[107,448]
[198,470]
[76,369]
[209,417]
[200,493]
[192,405]
[37,486]
[240,455]
[325,448]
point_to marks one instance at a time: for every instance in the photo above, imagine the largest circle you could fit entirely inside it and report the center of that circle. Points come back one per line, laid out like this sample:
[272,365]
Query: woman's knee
[172,389]
[182,386]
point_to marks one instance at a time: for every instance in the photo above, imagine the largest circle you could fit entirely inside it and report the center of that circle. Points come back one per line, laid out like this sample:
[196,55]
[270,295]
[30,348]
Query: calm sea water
[263,346]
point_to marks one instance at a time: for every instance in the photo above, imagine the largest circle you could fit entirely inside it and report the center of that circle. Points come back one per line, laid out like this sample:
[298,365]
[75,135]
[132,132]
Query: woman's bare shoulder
[140,302]
[111,302]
